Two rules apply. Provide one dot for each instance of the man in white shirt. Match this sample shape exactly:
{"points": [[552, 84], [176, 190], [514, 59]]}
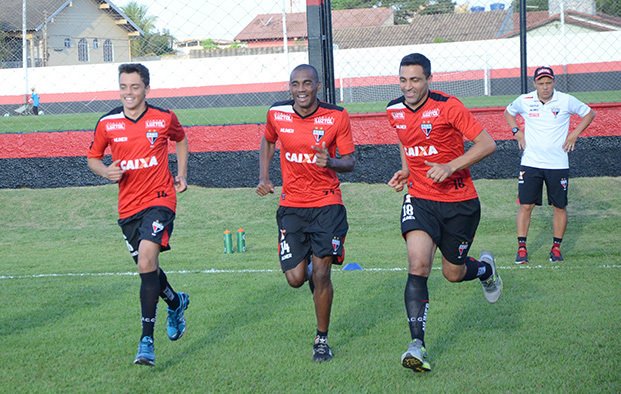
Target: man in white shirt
{"points": [[545, 140]]}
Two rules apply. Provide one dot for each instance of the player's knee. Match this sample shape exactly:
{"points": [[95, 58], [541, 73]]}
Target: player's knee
{"points": [[294, 280], [452, 275]]}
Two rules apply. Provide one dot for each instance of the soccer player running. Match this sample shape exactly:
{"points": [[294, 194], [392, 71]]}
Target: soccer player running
{"points": [[545, 141], [138, 134], [311, 217], [441, 208]]}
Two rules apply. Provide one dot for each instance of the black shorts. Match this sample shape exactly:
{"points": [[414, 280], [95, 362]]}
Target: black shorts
{"points": [[154, 224], [305, 231], [451, 225], [530, 186]]}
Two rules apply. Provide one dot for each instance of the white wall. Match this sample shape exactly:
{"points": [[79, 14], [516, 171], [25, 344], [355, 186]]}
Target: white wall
{"points": [[241, 70]]}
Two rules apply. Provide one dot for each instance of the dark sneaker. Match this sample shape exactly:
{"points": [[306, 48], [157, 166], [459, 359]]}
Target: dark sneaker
{"points": [[522, 256], [415, 358], [146, 352], [321, 350], [175, 324], [492, 286], [555, 255]]}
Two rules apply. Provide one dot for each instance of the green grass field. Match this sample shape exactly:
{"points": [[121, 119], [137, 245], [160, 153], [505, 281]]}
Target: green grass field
{"points": [[70, 314], [242, 115]]}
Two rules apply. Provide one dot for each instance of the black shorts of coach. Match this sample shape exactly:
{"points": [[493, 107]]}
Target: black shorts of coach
{"points": [[154, 224], [305, 231], [530, 186], [451, 225]]}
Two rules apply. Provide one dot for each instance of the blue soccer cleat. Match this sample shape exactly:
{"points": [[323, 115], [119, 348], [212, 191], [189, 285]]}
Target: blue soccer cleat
{"points": [[175, 324], [146, 352]]}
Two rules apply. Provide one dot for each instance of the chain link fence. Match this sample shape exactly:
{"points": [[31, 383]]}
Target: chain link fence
{"points": [[224, 63]]}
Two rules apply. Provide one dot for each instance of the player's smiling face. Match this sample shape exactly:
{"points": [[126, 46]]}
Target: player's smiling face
{"points": [[303, 87], [133, 93], [414, 85]]}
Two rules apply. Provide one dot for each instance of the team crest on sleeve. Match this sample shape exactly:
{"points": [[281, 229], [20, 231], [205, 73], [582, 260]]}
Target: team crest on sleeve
{"points": [[152, 136], [426, 128], [318, 134]]}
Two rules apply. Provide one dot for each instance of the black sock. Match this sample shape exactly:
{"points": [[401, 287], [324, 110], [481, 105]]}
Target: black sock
{"points": [[149, 292], [416, 297], [168, 294], [476, 269], [521, 242], [556, 242]]}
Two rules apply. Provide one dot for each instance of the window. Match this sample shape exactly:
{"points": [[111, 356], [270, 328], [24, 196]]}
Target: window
{"points": [[83, 50], [95, 43], [67, 42], [108, 54]]}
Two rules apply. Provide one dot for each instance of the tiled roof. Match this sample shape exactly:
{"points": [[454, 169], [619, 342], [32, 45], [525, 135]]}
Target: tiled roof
{"points": [[269, 26]]}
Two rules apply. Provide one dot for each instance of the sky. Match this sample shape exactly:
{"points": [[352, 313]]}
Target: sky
{"points": [[200, 19]]}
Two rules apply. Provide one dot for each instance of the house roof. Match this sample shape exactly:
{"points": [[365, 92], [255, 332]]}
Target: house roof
{"points": [[269, 26], [38, 12], [456, 27], [425, 29], [597, 22]]}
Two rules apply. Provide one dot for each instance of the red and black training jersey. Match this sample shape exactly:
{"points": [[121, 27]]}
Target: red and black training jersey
{"points": [[142, 147], [305, 184], [435, 132]]}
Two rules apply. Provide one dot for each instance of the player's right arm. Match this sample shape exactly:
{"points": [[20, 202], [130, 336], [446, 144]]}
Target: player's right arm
{"points": [[266, 154], [112, 172], [512, 122], [400, 178]]}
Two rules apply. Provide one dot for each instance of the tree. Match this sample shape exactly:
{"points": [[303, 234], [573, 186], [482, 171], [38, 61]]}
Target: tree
{"points": [[609, 7], [404, 9], [152, 42]]}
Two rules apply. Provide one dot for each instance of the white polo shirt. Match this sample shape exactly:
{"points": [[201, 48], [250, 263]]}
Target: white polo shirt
{"points": [[546, 127]]}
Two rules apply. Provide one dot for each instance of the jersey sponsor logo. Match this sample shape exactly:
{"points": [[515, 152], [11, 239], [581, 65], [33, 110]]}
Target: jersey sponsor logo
{"points": [[398, 115], [432, 113], [119, 139], [155, 123], [286, 130], [426, 128], [336, 244], [137, 164], [533, 114], [152, 136], [156, 226], [110, 126], [415, 151], [329, 120], [401, 127], [280, 116], [308, 158], [318, 134]]}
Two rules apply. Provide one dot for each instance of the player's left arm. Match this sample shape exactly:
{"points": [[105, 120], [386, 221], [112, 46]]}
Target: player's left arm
{"points": [[181, 183], [483, 146], [570, 141]]}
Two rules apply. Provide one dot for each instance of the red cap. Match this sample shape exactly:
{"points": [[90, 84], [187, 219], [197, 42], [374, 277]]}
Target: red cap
{"points": [[541, 72]]}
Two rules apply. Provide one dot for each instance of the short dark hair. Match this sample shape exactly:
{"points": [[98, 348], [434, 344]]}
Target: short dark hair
{"points": [[417, 59], [306, 67], [129, 68]]}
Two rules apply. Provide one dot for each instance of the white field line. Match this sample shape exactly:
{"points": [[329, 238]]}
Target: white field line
{"points": [[259, 271]]}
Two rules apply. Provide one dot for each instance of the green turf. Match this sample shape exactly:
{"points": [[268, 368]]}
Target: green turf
{"points": [[243, 115], [70, 314]]}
